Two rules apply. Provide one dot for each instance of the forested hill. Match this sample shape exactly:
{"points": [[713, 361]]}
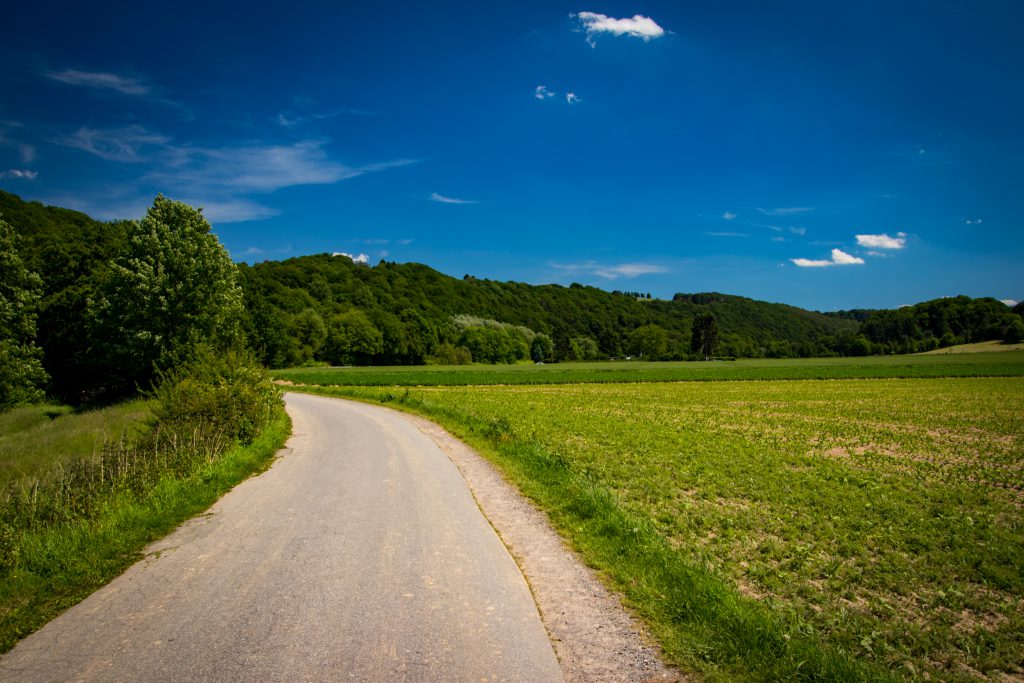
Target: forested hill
{"points": [[305, 293], [328, 308]]}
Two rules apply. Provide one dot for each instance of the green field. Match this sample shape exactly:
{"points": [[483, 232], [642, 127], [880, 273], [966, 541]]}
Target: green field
{"points": [[838, 529], [1006, 364]]}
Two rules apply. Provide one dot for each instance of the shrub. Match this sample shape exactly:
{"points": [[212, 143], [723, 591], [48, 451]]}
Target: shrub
{"points": [[225, 396]]}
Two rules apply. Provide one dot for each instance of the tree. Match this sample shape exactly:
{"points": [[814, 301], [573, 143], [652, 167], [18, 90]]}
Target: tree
{"points": [[541, 348], [172, 287], [648, 341], [21, 369], [704, 339], [352, 339]]}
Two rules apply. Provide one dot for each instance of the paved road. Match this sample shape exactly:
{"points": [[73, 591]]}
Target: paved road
{"points": [[360, 555]]}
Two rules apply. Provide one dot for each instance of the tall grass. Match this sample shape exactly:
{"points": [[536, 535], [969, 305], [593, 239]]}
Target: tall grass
{"points": [[33, 439]]}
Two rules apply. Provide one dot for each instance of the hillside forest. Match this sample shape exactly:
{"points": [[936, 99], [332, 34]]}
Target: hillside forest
{"points": [[67, 281]]}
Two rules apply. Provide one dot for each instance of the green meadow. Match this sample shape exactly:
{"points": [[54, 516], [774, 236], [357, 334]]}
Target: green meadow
{"points": [[837, 529], [1004, 364]]}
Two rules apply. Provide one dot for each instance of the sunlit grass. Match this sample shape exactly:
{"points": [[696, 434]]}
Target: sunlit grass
{"points": [[35, 438]]}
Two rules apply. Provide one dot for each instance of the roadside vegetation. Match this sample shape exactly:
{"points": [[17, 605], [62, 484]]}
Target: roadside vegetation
{"points": [[815, 530], [189, 410], [35, 439]]}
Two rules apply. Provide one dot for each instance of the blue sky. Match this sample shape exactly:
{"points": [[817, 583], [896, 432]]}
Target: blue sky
{"points": [[823, 154]]}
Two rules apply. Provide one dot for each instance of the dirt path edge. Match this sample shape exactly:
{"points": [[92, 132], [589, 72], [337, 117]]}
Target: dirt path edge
{"points": [[595, 638]]}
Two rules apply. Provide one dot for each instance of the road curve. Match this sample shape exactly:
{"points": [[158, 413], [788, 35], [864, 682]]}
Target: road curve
{"points": [[360, 555]]}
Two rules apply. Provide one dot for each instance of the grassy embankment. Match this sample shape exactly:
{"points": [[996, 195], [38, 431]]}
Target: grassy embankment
{"points": [[818, 530], [34, 439], [1008, 364], [86, 493]]}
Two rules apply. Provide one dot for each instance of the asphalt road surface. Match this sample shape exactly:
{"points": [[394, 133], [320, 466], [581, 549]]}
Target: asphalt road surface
{"points": [[360, 555]]}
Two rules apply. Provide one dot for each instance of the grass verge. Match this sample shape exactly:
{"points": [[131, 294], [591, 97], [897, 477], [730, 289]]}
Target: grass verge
{"points": [[58, 567], [702, 622]]}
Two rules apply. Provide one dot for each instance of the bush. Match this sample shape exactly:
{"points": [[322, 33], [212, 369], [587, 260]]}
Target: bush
{"points": [[226, 396]]}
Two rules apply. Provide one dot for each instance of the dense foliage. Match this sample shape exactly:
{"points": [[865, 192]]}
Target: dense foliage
{"points": [[21, 371], [934, 324]]}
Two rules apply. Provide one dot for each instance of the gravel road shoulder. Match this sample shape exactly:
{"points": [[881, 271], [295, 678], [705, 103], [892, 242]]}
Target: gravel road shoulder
{"points": [[594, 636]]}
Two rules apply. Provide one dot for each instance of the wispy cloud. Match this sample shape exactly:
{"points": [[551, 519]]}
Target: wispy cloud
{"points": [[571, 98], [541, 92], [292, 120], [785, 210], [27, 153], [435, 197], [883, 241], [839, 258], [115, 144], [727, 234], [233, 210], [20, 174], [729, 216], [611, 272], [638, 26], [258, 168], [797, 231], [104, 81], [973, 221]]}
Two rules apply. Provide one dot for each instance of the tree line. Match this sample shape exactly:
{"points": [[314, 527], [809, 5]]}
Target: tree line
{"points": [[90, 308]]}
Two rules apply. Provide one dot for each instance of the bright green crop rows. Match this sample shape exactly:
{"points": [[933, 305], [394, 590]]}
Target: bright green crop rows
{"points": [[1003, 364], [884, 516]]}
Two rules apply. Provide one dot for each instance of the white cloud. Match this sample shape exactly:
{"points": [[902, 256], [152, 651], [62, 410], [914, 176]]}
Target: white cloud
{"points": [[435, 197], [973, 221], [637, 27], [883, 241], [1009, 302], [839, 258], [542, 93], [729, 216], [359, 258], [797, 231], [106, 81], [115, 144], [20, 174], [727, 234], [786, 210], [611, 272], [571, 98], [404, 242], [28, 153]]}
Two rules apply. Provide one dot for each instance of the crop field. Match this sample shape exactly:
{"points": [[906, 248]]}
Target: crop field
{"points": [[1005, 364], [879, 519]]}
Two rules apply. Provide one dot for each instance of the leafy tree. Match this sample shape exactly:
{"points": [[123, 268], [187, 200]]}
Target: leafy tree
{"points": [[1014, 332], [704, 338], [648, 341], [541, 348], [353, 339], [21, 370], [172, 287]]}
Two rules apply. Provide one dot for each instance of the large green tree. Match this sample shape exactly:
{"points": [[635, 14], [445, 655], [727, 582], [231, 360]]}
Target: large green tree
{"points": [[21, 369], [173, 286], [704, 338]]}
